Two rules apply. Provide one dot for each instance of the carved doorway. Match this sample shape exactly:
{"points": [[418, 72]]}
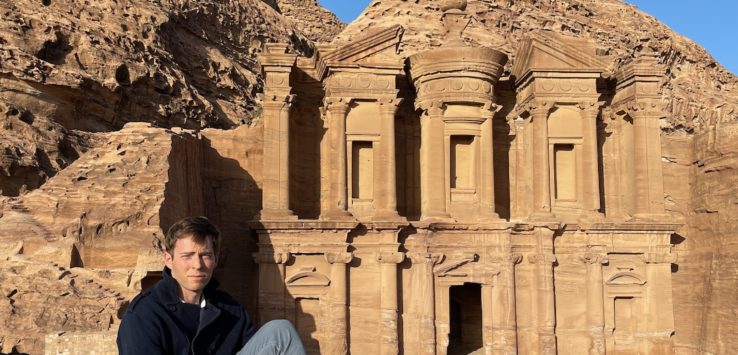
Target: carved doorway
{"points": [[465, 319]]}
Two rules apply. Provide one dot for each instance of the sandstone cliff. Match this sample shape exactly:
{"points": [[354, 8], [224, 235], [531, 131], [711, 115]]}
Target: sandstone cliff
{"points": [[69, 67]]}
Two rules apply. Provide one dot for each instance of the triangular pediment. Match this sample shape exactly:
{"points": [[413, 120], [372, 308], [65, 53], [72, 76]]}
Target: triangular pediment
{"points": [[376, 48], [549, 52]]}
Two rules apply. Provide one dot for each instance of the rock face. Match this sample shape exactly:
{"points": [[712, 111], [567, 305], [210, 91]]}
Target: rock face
{"points": [[86, 197], [317, 23], [68, 67]]}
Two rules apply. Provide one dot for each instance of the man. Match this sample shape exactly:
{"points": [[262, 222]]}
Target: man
{"points": [[185, 313]]}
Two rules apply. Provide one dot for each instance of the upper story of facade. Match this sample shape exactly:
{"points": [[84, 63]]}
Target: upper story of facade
{"points": [[359, 133]]}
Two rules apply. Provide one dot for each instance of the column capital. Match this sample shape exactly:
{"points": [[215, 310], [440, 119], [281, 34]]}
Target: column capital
{"points": [[659, 258], [509, 258], [277, 100], [541, 258], [271, 257], [640, 107], [433, 108], [390, 102], [390, 257], [539, 107], [594, 258], [425, 258], [339, 258], [590, 106], [337, 103]]}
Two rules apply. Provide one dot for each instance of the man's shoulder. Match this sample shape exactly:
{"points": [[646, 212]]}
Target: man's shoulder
{"points": [[145, 301]]}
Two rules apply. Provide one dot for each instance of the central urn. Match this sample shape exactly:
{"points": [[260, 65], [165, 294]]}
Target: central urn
{"points": [[456, 74]]}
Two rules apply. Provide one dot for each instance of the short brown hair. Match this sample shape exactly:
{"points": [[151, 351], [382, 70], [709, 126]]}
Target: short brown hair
{"points": [[199, 228]]}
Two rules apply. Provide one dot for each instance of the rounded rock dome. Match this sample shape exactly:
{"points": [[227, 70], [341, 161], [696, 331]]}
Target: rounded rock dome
{"points": [[446, 5]]}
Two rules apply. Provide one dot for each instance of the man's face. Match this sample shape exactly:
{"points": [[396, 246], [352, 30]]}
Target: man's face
{"points": [[192, 265]]}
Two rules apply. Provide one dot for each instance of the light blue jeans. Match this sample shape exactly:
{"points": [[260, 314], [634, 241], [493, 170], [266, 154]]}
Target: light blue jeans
{"points": [[278, 337]]}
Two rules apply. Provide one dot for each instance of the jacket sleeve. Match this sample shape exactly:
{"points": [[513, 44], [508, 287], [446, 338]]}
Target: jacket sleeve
{"points": [[138, 336]]}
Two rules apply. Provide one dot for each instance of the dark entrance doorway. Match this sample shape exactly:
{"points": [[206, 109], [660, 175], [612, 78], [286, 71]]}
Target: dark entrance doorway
{"points": [[465, 316]]}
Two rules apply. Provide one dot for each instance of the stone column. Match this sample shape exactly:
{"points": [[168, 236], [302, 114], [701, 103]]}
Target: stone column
{"points": [[386, 191], [591, 178], [276, 187], [272, 291], [545, 292], [338, 328], [425, 291], [388, 301], [503, 316], [541, 163], [658, 300], [433, 164], [338, 109], [614, 208], [487, 184], [649, 189], [595, 301]]}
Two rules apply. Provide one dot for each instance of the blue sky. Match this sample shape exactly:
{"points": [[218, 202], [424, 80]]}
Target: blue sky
{"points": [[713, 24]]}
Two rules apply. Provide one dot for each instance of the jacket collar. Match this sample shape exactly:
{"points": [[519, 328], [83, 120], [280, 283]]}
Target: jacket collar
{"points": [[169, 290]]}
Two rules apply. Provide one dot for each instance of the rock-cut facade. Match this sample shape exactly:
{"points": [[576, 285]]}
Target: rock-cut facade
{"points": [[431, 205]]}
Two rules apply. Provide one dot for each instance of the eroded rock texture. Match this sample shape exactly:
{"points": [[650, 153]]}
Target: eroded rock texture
{"points": [[317, 23], [68, 67]]}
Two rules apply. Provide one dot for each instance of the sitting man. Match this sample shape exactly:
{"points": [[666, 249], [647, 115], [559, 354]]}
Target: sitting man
{"points": [[185, 313]]}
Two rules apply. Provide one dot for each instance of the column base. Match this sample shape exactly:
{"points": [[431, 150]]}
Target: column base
{"points": [[591, 217], [338, 215], [542, 217], [490, 217], [436, 217], [276, 215], [652, 217], [388, 216]]}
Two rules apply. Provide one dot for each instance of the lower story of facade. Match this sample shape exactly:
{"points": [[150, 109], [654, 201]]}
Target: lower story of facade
{"points": [[488, 288]]}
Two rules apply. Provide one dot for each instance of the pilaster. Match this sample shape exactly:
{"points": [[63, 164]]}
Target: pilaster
{"points": [[337, 109], [541, 162], [388, 301], [272, 291], [433, 163], [386, 190], [595, 301], [338, 328]]}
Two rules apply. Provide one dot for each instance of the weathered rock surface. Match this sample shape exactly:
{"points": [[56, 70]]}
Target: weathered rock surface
{"points": [[87, 234], [317, 23], [38, 298], [68, 67]]}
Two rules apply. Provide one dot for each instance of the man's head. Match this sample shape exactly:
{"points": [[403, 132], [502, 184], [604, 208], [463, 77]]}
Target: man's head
{"points": [[192, 251]]}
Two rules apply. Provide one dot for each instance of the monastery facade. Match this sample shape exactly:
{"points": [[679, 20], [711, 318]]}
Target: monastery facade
{"points": [[427, 205]]}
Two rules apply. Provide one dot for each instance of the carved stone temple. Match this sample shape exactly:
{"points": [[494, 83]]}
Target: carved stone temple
{"points": [[431, 205]]}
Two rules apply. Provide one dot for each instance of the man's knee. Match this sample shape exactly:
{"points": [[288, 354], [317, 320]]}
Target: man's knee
{"points": [[280, 326]]}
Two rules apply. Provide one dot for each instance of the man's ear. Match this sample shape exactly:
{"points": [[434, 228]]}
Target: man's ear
{"points": [[168, 260]]}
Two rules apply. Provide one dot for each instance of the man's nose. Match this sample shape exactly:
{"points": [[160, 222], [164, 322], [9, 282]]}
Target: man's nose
{"points": [[197, 262]]}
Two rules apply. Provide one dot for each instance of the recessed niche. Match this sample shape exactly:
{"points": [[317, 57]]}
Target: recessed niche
{"points": [[362, 170], [462, 162]]}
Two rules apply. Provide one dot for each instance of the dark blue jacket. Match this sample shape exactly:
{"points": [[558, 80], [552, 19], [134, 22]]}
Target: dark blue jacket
{"points": [[152, 323]]}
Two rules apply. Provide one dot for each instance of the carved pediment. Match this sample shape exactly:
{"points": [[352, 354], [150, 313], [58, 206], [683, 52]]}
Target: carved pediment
{"points": [[549, 52], [307, 276], [625, 278], [378, 48], [451, 268]]}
